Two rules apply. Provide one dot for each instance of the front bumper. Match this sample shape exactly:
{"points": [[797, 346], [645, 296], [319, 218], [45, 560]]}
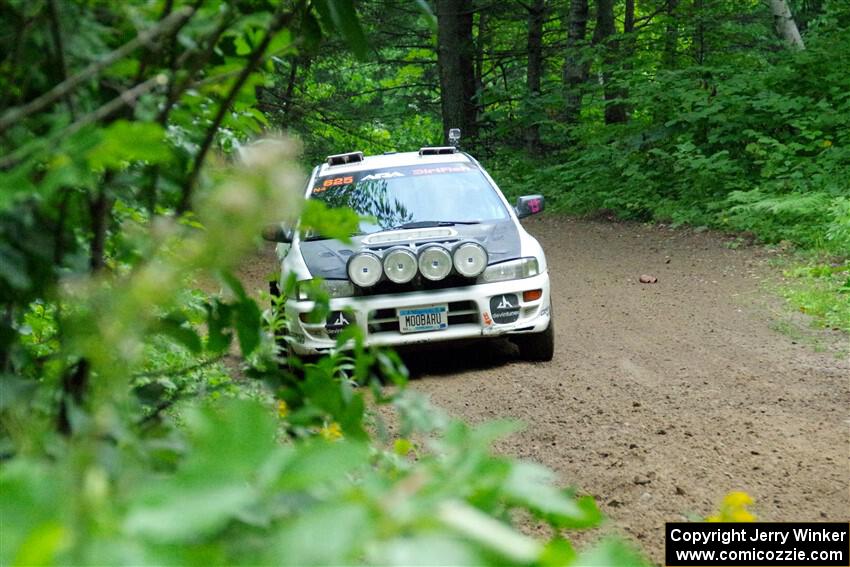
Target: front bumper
{"points": [[469, 315]]}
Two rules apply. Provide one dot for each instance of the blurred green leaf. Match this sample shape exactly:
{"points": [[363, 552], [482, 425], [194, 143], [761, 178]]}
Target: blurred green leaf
{"points": [[341, 16], [338, 223], [123, 142], [162, 515], [219, 317], [489, 532], [428, 550], [29, 493], [531, 485], [611, 552], [248, 328], [319, 461], [558, 552], [178, 329], [344, 529]]}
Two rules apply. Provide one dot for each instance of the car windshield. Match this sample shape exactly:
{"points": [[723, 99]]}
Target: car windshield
{"points": [[413, 196]]}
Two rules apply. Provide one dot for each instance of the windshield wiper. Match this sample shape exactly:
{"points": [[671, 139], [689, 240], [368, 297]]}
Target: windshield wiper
{"points": [[314, 237], [430, 224]]}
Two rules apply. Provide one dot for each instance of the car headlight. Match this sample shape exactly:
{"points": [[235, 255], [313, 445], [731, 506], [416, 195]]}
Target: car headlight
{"points": [[400, 265], [306, 289], [435, 262], [510, 270], [470, 259], [364, 269]]}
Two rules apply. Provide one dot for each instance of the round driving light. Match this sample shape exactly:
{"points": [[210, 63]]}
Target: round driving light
{"points": [[400, 265], [435, 262], [470, 259], [364, 269]]}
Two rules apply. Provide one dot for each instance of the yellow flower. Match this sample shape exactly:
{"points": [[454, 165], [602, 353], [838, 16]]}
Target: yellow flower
{"points": [[741, 515], [282, 409], [737, 499], [826, 143], [331, 432], [734, 509]]}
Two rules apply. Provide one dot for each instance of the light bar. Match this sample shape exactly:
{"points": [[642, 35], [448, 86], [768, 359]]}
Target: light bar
{"points": [[435, 262], [400, 265], [470, 259], [364, 269]]}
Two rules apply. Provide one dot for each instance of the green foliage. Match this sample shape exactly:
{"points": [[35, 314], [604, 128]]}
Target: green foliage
{"points": [[147, 422], [821, 289], [338, 223], [747, 141]]}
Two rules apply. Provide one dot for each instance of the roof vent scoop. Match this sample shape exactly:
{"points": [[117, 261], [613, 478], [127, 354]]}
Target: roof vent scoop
{"points": [[442, 150], [342, 159]]}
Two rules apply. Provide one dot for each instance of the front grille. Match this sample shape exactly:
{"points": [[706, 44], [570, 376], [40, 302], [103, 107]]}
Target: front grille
{"points": [[386, 320]]}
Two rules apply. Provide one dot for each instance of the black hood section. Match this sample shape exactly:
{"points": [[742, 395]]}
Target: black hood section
{"points": [[328, 258]]}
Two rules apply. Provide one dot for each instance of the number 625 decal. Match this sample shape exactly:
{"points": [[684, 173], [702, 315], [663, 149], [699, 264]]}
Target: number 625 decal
{"points": [[335, 182]]}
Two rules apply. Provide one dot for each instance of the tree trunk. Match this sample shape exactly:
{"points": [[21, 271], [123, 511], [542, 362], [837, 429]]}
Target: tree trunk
{"points": [[534, 71], [615, 112], [59, 46], [575, 67], [99, 207], [698, 41], [671, 36], [482, 41], [455, 54], [629, 19], [786, 27], [74, 386]]}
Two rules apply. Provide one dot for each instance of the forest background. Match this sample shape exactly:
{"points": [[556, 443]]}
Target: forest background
{"points": [[148, 420]]}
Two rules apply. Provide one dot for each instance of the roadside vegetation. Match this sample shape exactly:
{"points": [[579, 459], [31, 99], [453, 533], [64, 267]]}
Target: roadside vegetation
{"points": [[147, 420]]}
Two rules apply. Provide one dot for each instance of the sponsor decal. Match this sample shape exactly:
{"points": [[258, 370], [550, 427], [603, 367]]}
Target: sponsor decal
{"points": [[544, 311], [337, 321], [444, 169], [333, 182], [534, 205], [382, 175], [505, 308], [487, 320]]}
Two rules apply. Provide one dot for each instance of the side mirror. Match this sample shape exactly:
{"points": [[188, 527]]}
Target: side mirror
{"points": [[277, 233], [529, 205]]}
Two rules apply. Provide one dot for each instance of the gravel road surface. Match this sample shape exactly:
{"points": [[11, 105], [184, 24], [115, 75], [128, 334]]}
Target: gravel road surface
{"points": [[663, 397]]}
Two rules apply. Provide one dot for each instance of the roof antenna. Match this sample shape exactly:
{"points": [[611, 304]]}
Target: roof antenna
{"points": [[454, 137]]}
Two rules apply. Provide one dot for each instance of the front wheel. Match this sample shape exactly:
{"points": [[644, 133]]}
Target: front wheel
{"points": [[537, 347]]}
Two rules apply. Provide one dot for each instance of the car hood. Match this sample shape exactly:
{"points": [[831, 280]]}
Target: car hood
{"points": [[328, 258]]}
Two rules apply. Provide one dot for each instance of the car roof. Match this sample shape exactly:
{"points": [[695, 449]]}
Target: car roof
{"points": [[393, 160]]}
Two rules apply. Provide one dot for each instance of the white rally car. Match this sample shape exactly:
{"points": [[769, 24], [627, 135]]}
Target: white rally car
{"points": [[442, 257]]}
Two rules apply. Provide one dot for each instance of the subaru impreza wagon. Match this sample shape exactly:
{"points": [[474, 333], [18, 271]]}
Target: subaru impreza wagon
{"points": [[442, 257]]}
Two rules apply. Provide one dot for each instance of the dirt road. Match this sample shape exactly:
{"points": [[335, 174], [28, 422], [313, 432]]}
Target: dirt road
{"points": [[663, 397]]}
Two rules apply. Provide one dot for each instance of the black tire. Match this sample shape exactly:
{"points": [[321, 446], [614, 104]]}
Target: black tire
{"points": [[537, 347]]}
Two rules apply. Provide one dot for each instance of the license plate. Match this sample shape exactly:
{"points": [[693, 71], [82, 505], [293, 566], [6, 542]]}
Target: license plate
{"points": [[428, 318]]}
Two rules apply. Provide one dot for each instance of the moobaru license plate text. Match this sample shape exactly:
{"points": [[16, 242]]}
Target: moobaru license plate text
{"points": [[429, 318]]}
